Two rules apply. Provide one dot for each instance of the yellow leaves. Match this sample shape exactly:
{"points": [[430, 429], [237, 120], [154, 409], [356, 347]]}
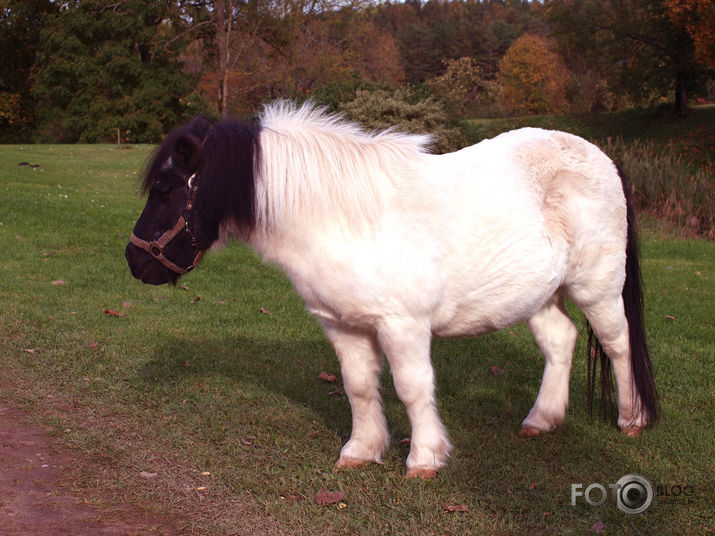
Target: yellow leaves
{"points": [[533, 78], [10, 107]]}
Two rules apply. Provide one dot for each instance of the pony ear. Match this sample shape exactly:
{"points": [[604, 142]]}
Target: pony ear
{"points": [[186, 153]]}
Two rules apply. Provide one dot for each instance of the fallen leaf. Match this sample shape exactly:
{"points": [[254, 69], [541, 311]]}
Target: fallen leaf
{"points": [[324, 497], [146, 474], [532, 485], [670, 317], [336, 392], [29, 350], [597, 527], [184, 287], [112, 312], [405, 441], [58, 282], [126, 304], [93, 344], [265, 311], [497, 370], [197, 298], [455, 508], [201, 488], [327, 377], [248, 440], [206, 473]]}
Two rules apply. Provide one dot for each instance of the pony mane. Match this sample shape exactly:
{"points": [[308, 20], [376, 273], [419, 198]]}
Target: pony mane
{"points": [[315, 163]]}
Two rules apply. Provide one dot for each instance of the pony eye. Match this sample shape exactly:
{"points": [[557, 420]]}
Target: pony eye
{"points": [[160, 192]]}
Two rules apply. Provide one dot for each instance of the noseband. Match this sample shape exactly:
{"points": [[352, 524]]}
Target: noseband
{"points": [[156, 247]]}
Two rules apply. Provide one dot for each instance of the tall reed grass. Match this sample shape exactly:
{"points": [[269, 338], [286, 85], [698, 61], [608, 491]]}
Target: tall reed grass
{"points": [[666, 184]]}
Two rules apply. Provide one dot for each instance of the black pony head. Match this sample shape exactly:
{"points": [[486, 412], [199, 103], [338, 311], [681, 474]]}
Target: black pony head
{"points": [[199, 178]]}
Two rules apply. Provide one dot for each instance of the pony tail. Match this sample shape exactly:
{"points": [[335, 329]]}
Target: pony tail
{"points": [[596, 356], [633, 303]]}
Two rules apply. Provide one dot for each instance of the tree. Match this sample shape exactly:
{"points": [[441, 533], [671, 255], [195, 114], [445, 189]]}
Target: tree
{"points": [[634, 44], [103, 67], [432, 32], [533, 79], [697, 18], [20, 25]]}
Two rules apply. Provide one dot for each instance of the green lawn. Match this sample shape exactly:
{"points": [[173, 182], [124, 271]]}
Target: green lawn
{"points": [[181, 387]]}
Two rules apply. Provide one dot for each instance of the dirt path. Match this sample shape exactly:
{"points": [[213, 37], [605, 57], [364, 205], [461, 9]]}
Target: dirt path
{"points": [[36, 496]]}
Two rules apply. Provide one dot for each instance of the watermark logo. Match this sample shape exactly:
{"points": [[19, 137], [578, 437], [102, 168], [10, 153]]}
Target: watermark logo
{"points": [[632, 493]]}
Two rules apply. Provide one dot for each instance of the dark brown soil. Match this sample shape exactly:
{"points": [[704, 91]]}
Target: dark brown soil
{"points": [[36, 494]]}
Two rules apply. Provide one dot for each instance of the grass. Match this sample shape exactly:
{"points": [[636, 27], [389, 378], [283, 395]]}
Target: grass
{"points": [[216, 386]]}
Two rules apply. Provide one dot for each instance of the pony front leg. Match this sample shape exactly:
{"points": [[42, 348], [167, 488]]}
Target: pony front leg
{"points": [[360, 363], [406, 343]]}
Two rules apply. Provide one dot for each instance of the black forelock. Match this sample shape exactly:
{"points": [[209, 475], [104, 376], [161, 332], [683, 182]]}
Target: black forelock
{"points": [[198, 127]]}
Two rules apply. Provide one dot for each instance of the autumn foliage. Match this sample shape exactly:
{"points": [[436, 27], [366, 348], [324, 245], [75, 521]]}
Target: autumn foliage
{"points": [[98, 71], [697, 18], [533, 78]]}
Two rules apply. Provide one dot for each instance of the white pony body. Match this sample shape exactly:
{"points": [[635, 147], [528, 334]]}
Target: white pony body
{"points": [[389, 245]]}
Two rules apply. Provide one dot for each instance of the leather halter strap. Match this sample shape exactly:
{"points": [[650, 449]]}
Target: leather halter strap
{"points": [[156, 247]]}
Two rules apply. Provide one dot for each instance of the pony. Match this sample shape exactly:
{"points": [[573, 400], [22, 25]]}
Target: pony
{"points": [[390, 245]]}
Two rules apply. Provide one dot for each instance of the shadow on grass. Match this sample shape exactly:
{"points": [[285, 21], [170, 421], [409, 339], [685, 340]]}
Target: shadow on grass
{"points": [[519, 482]]}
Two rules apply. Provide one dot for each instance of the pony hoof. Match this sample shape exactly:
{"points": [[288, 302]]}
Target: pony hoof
{"points": [[633, 431], [529, 431], [348, 463], [421, 473]]}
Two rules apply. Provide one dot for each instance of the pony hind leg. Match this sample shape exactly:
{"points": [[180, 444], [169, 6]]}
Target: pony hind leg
{"points": [[556, 336], [609, 323], [361, 364]]}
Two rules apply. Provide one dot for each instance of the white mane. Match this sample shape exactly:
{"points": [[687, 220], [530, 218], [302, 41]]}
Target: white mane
{"points": [[314, 163]]}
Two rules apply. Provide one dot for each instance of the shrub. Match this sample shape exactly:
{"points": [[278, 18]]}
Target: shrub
{"points": [[666, 186], [465, 87], [382, 109]]}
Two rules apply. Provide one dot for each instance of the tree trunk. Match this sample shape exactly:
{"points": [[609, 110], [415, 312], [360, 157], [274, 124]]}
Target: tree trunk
{"points": [[681, 94], [222, 23]]}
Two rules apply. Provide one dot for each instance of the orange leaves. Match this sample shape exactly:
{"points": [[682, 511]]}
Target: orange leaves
{"points": [[497, 370], [324, 497], [327, 377]]}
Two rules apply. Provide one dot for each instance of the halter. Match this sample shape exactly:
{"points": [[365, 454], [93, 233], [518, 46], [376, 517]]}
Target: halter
{"points": [[156, 247]]}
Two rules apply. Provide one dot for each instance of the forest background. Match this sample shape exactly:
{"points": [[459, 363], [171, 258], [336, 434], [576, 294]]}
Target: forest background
{"points": [[130, 70]]}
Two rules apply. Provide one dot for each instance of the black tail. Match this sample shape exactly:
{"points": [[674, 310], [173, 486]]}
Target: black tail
{"points": [[640, 358]]}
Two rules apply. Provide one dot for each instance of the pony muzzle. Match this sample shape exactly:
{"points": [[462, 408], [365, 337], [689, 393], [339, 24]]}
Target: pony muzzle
{"points": [[155, 248]]}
